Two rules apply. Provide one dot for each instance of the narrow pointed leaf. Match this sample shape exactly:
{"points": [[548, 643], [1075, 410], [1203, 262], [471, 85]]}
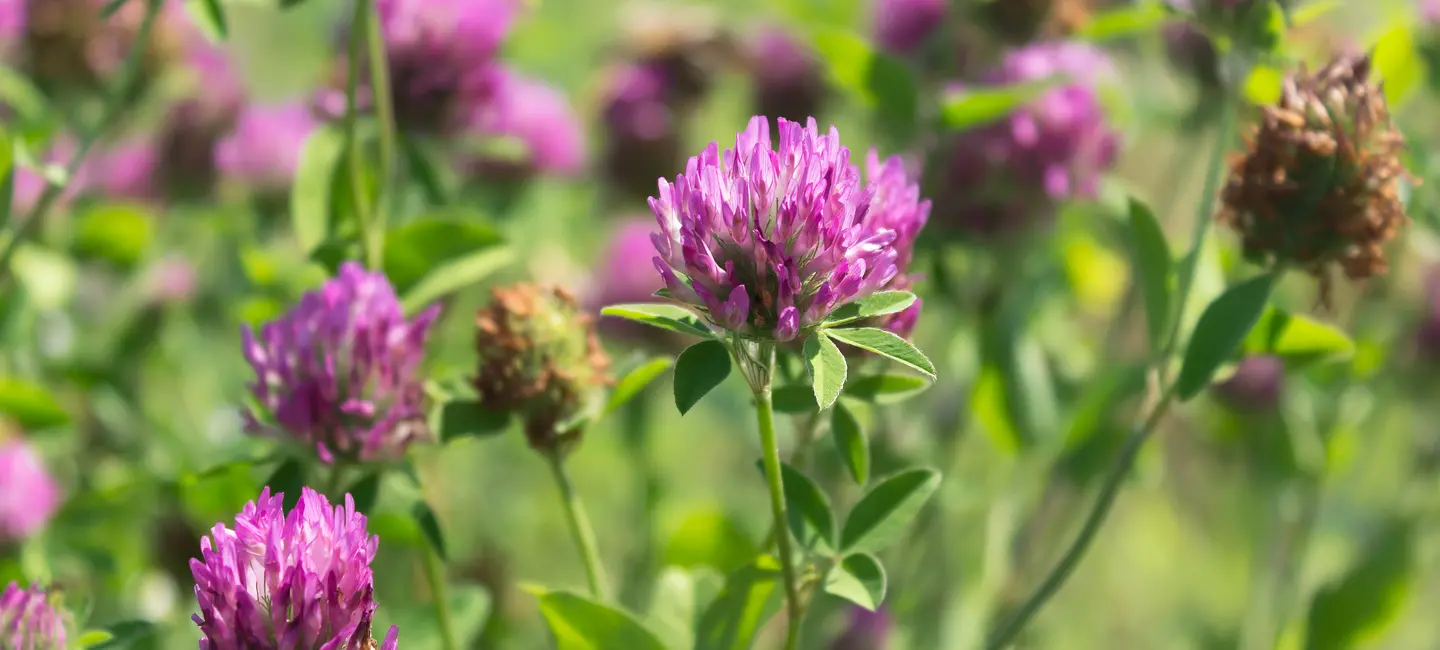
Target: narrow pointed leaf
{"points": [[885, 344], [881, 516], [851, 443], [750, 597], [808, 510], [1154, 270], [886, 388], [826, 366], [1221, 330], [860, 579], [636, 381], [310, 194], [579, 623], [670, 317], [882, 303]]}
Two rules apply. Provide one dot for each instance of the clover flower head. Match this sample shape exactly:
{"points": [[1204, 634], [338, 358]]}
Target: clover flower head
{"points": [[29, 621], [29, 496], [767, 242], [297, 580], [340, 371]]}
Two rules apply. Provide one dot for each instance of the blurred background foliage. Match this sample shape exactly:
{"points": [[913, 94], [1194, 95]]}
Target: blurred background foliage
{"points": [[131, 390]]}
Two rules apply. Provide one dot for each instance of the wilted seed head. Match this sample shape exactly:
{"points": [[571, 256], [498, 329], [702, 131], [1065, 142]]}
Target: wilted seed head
{"points": [[1319, 184], [539, 359], [68, 43], [28, 620]]}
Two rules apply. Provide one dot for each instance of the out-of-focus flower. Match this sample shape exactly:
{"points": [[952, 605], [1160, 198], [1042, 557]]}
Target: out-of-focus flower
{"points": [[626, 272], [1256, 385], [1427, 336], [643, 130], [541, 119], [901, 26], [340, 371], [172, 279], [766, 243], [263, 150], [28, 494], [867, 631], [28, 621], [787, 78], [441, 59], [539, 359], [687, 46], [1318, 186], [126, 170], [70, 45], [1007, 176], [294, 581]]}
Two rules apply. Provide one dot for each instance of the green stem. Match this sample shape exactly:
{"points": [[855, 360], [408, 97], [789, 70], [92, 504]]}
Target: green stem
{"points": [[385, 113], [114, 107], [435, 573], [1093, 522], [765, 416], [580, 529], [1191, 262], [359, 28]]}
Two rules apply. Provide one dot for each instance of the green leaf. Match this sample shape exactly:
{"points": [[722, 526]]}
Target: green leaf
{"points": [[793, 399], [826, 367], [679, 598], [880, 518], [92, 638], [1221, 330], [1122, 22], [365, 492], [975, 107], [578, 623], [310, 194], [636, 381], [124, 635], [670, 317], [290, 4], [7, 176], [119, 233], [288, 479], [20, 94], [709, 537], [429, 524], [335, 251], [750, 597], [877, 304], [860, 579], [423, 247], [1397, 63], [31, 406], [851, 442], [1362, 603], [806, 509], [886, 388], [455, 275], [885, 344], [700, 368], [210, 16], [1298, 339], [881, 82], [1154, 270], [461, 418], [421, 162]]}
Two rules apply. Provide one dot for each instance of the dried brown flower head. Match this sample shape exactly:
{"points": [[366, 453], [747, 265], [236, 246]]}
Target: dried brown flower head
{"points": [[1318, 186], [69, 44], [539, 359]]}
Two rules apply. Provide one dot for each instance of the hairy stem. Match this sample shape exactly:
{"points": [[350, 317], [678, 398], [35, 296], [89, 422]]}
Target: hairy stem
{"points": [[765, 416]]}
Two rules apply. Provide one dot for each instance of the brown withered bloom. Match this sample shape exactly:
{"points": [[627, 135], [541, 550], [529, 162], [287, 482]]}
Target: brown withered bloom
{"points": [[1318, 186], [69, 44], [540, 360]]}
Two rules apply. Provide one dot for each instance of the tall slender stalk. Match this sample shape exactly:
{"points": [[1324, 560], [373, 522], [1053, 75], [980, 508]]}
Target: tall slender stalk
{"points": [[765, 417], [1137, 439], [435, 574], [115, 104], [362, 16], [385, 115], [579, 528]]}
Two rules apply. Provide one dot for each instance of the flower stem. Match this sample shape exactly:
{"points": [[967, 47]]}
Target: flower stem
{"points": [[115, 103], [364, 14], [765, 415], [580, 529], [1093, 522], [385, 114], [435, 573]]}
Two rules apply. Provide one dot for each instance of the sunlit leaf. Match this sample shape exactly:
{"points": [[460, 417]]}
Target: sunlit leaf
{"points": [[858, 578], [579, 623], [751, 596], [670, 317], [826, 367], [882, 515]]}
